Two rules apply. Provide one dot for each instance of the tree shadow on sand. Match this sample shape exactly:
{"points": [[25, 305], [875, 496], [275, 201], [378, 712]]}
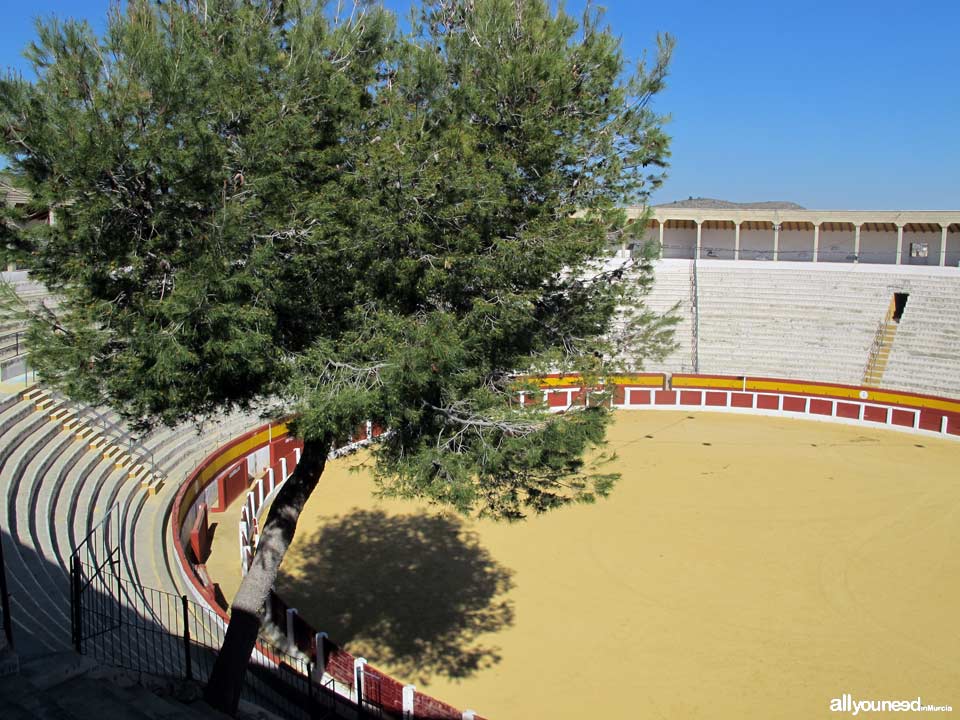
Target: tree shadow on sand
{"points": [[412, 593]]}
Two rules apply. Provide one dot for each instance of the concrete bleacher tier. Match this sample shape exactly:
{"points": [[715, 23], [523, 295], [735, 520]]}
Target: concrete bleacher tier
{"points": [[54, 488], [812, 321], [925, 356]]}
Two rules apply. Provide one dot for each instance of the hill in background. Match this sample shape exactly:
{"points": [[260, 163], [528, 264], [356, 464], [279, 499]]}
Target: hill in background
{"points": [[712, 204]]}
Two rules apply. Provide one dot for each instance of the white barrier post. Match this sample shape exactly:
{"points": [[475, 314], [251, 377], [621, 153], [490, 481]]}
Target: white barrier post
{"points": [[283, 469], [863, 409], [806, 406], [296, 453], [243, 549], [358, 666], [291, 614], [408, 694], [260, 490], [916, 419], [320, 668], [369, 430], [889, 415], [272, 481], [943, 424]]}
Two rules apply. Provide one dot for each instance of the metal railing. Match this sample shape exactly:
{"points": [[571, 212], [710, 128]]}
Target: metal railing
{"points": [[123, 624], [114, 431], [11, 345], [874, 353]]}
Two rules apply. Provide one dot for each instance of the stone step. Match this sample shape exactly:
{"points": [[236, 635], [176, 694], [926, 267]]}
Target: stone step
{"points": [[39, 485], [66, 686]]}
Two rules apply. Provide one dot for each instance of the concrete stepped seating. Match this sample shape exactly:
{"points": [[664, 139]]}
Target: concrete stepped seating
{"points": [[35, 602], [738, 332], [25, 499], [36, 393], [93, 429], [54, 488], [925, 354], [811, 322]]}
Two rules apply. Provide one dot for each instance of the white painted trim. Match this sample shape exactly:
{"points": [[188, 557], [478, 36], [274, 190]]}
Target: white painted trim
{"points": [[407, 699], [291, 614], [815, 417]]}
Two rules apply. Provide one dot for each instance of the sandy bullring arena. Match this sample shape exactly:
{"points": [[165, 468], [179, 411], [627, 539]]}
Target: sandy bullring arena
{"points": [[743, 567]]}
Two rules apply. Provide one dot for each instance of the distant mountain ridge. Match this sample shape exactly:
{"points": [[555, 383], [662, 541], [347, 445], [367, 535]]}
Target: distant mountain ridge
{"points": [[713, 204]]}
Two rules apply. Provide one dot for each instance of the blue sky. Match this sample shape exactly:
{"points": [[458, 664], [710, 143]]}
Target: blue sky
{"points": [[845, 104]]}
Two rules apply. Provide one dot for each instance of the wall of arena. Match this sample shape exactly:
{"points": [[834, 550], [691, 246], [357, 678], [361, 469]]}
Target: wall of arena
{"points": [[258, 462]]}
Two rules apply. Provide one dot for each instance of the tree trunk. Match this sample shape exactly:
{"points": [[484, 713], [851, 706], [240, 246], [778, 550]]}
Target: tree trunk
{"points": [[226, 679]]}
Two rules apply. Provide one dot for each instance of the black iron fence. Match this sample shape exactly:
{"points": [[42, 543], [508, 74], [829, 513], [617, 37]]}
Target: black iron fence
{"points": [[123, 624], [11, 344]]}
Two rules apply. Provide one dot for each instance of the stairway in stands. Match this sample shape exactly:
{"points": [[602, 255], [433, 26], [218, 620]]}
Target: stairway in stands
{"points": [[879, 356], [55, 488]]}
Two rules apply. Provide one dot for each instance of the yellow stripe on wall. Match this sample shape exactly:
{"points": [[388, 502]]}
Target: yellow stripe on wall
{"points": [[708, 382], [889, 397], [577, 381], [230, 455]]}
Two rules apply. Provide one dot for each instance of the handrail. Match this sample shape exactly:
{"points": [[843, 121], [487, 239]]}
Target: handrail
{"points": [[696, 315], [874, 353]]}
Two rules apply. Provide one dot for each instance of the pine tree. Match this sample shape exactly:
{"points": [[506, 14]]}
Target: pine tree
{"points": [[258, 201]]}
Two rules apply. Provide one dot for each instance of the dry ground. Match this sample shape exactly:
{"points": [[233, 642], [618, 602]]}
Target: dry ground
{"points": [[744, 567]]}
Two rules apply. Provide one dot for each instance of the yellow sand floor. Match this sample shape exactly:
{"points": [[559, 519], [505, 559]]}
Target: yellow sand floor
{"points": [[744, 567]]}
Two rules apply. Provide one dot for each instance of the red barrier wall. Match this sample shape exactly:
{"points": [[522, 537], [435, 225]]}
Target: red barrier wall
{"points": [[815, 398], [200, 536], [283, 446], [425, 706], [232, 484]]}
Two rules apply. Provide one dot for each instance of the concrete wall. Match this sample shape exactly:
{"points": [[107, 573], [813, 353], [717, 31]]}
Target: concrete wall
{"points": [[679, 242], [756, 244], [878, 247], [836, 246], [953, 249], [796, 245], [717, 243]]}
